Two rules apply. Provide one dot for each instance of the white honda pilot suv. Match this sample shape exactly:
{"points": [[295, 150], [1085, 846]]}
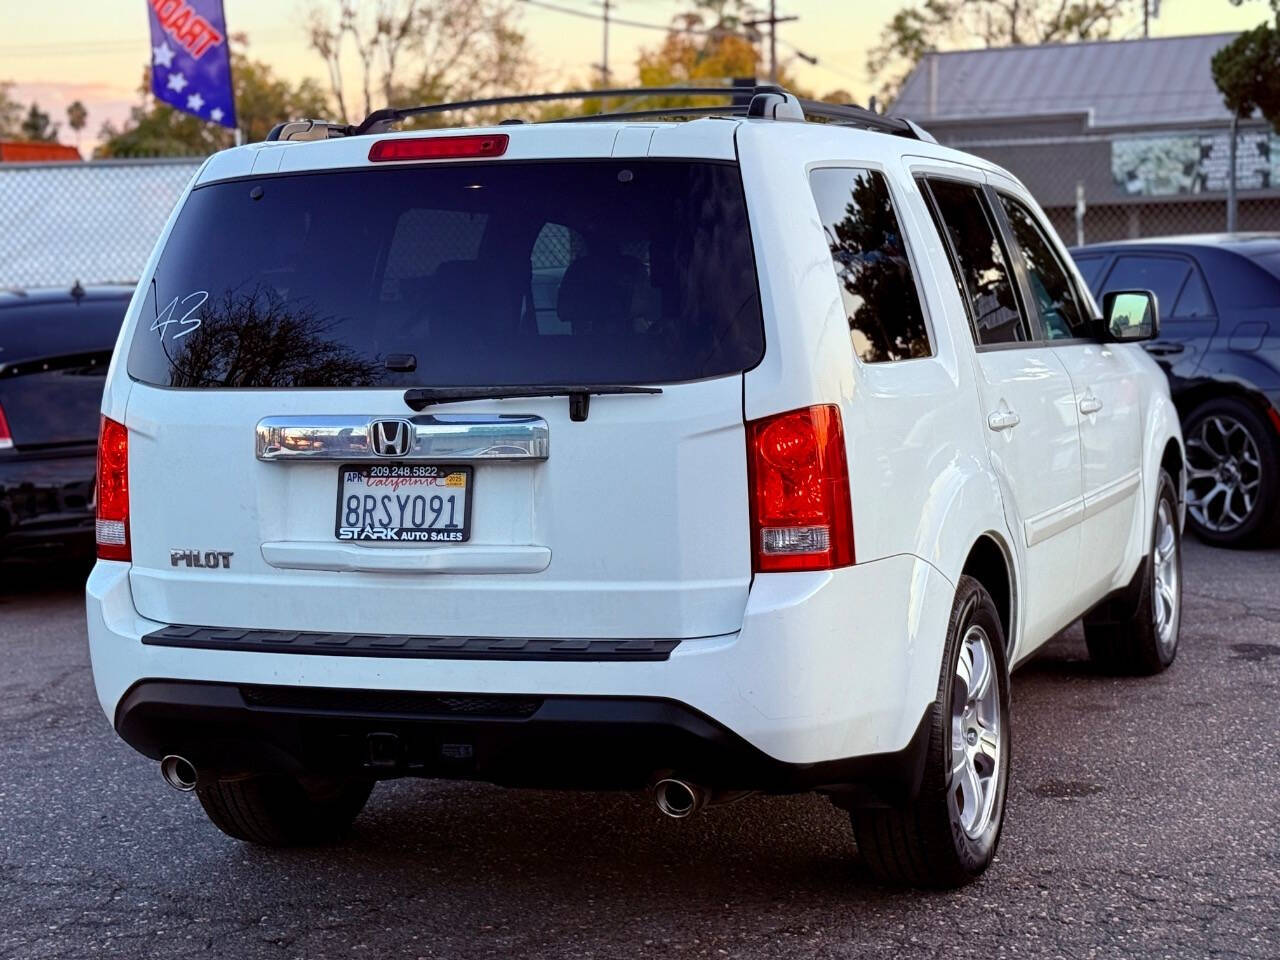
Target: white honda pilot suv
{"points": [[703, 456]]}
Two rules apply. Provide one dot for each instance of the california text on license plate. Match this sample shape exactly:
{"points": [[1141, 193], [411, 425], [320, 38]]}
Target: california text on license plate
{"points": [[404, 502]]}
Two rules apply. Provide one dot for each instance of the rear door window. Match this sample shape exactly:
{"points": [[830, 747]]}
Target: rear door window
{"points": [[1194, 300], [978, 258], [869, 254], [1053, 294], [493, 274]]}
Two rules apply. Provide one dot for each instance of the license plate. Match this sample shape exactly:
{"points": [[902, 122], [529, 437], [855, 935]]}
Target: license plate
{"points": [[404, 503]]}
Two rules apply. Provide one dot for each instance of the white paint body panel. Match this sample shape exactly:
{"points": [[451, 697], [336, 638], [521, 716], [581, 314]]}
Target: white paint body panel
{"points": [[647, 549], [805, 666]]}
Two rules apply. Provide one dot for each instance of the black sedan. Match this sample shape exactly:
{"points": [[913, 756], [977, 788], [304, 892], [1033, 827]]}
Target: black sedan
{"points": [[54, 349], [1219, 303]]}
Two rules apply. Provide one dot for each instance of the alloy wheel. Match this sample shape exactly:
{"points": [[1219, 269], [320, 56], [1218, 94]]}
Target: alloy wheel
{"points": [[976, 729], [1165, 597], [1224, 473]]}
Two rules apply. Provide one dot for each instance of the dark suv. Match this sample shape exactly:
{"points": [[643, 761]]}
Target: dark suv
{"points": [[1219, 300], [55, 346]]}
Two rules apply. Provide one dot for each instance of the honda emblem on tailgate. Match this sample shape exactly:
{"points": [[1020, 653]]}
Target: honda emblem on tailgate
{"points": [[391, 438]]}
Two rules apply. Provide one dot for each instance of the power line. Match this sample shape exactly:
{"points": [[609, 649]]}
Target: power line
{"points": [[772, 20], [640, 25]]}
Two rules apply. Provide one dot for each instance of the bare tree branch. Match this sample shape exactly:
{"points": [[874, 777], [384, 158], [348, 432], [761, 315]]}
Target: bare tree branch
{"points": [[411, 51]]}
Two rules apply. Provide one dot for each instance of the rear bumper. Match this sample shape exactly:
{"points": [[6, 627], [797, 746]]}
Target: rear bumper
{"points": [[827, 666], [555, 742], [45, 505]]}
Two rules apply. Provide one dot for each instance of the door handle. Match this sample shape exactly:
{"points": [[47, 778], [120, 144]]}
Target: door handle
{"points": [[1090, 404], [1003, 420], [1164, 348]]}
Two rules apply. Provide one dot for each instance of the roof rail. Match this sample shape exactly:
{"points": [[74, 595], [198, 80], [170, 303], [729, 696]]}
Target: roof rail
{"points": [[381, 120], [764, 101]]}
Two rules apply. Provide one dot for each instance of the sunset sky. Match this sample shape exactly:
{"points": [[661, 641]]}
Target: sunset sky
{"points": [[56, 51]]}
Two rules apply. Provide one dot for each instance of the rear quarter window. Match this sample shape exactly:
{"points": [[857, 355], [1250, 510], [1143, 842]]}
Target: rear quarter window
{"points": [[869, 254], [492, 274]]}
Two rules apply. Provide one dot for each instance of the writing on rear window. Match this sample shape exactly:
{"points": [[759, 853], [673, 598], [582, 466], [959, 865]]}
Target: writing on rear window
{"points": [[187, 322]]}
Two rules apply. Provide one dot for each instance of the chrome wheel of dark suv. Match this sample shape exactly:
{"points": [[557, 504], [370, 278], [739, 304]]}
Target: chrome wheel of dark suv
{"points": [[1224, 473], [1233, 462]]}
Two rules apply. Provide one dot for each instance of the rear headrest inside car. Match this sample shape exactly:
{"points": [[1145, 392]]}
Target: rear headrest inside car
{"points": [[598, 293]]}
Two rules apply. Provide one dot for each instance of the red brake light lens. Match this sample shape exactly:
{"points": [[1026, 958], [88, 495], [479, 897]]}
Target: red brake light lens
{"points": [[801, 517], [6, 438], [440, 148], [112, 526]]}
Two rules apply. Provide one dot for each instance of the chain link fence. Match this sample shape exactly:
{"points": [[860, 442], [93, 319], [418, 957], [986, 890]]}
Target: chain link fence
{"points": [[97, 222], [1096, 188], [92, 222]]}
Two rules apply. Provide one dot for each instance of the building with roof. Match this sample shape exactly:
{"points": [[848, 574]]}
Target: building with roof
{"points": [[33, 151], [1137, 129]]}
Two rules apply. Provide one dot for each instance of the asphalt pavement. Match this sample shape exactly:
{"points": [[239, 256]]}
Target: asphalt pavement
{"points": [[1144, 821]]}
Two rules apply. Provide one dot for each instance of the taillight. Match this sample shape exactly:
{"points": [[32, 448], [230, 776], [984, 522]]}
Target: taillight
{"points": [[801, 518], [6, 438], [112, 526], [440, 148]]}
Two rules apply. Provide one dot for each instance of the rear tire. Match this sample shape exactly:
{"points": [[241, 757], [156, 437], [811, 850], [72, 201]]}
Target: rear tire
{"points": [[1233, 474], [283, 811], [948, 834], [1147, 641]]}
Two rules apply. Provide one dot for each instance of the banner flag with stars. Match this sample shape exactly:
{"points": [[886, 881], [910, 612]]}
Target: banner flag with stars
{"points": [[190, 58]]}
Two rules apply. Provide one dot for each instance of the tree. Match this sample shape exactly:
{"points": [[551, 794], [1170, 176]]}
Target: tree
{"points": [[155, 129], [77, 117], [411, 51], [685, 59], [36, 125], [1247, 71], [10, 113], [932, 25], [710, 44], [263, 99]]}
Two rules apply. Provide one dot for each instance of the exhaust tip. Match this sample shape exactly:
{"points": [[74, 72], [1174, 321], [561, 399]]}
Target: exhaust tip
{"points": [[178, 772], [676, 798]]}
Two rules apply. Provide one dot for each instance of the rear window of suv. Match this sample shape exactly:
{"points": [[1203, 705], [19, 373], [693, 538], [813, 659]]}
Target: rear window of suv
{"points": [[499, 274]]}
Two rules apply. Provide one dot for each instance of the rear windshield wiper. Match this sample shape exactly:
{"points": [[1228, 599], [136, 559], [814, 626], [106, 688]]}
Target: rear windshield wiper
{"points": [[419, 398]]}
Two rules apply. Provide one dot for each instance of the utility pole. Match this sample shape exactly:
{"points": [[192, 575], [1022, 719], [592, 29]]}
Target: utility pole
{"points": [[772, 20], [1232, 199], [603, 65], [1150, 10], [773, 41]]}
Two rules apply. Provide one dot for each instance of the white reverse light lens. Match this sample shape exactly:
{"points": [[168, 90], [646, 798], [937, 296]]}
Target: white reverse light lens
{"points": [[775, 540]]}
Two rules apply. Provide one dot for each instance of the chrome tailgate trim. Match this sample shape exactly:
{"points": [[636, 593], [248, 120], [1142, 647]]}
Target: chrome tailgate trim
{"points": [[451, 437]]}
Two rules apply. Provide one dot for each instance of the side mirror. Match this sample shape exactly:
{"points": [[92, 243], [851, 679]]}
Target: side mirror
{"points": [[1130, 316]]}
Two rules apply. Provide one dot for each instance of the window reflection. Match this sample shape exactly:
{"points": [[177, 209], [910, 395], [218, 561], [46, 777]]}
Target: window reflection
{"points": [[870, 259], [260, 338], [981, 270], [1055, 298]]}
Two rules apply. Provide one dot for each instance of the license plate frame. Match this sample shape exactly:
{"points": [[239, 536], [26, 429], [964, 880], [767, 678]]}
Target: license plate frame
{"points": [[411, 473]]}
